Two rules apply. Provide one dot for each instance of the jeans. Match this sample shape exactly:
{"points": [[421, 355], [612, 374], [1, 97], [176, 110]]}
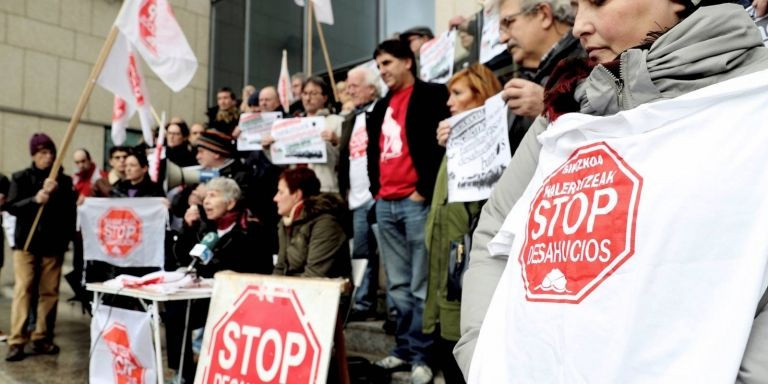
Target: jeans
{"points": [[364, 247], [404, 255]]}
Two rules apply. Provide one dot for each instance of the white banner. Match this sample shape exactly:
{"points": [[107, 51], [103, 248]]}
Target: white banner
{"points": [[638, 252], [264, 329], [151, 27], [125, 232], [436, 58], [252, 127], [121, 347], [298, 141], [490, 46], [477, 151]]}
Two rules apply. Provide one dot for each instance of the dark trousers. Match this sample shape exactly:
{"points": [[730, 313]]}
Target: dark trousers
{"points": [[174, 317]]}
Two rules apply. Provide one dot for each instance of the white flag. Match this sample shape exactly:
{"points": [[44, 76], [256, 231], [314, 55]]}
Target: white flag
{"points": [[121, 344], [122, 76], [152, 28], [284, 84], [323, 10], [125, 232]]}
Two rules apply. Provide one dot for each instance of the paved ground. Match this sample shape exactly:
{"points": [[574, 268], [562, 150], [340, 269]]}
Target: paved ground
{"points": [[70, 366]]}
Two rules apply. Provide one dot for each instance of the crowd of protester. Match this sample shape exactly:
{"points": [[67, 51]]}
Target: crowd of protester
{"points": [[384, 184]]}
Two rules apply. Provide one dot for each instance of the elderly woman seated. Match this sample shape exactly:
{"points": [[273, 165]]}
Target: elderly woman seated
{"points": [[312, 241], [237, 249]]}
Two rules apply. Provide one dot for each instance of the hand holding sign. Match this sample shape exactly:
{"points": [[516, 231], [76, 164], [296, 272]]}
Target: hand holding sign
{"points": [[523, 97]]}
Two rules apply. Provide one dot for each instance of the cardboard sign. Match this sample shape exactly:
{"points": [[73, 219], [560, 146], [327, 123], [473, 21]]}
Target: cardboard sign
{"points": [[265, 329], [436, 58], [252, 127], [477, 151], [298, 141]]}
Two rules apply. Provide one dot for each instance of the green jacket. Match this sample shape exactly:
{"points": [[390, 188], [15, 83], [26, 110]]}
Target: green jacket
{"points": [[445, 223], [315, 244]]}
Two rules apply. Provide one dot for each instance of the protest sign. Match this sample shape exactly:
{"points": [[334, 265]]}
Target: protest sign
{"points": [[436, 58], [126, 232], [477, 151], [298, 141], [121, 347], [265, 329], [490, 46], [252, 128], [638, 233]]}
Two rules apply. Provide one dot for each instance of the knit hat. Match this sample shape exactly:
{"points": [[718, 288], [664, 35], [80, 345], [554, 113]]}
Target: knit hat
{"points": [[217, 142], [41, 141], [253, 99]]}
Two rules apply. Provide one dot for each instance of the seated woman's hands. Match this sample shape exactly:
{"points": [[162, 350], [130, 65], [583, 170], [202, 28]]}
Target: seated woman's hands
{"points": [[192, 215]]}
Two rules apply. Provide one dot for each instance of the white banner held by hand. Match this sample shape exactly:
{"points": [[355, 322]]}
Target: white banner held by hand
{"points": [[436, 58], [253, 126], [125, 232]]}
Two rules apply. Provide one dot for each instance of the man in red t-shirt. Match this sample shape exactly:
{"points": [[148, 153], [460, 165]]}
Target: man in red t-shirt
{"points": [[403, 160]]}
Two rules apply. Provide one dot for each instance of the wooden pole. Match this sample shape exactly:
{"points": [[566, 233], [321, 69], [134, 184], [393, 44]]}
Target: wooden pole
{"points": [[75, 120], [309, 36], [325, 55]]}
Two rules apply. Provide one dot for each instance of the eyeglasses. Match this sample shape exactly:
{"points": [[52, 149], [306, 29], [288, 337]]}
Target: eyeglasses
{"points": [[507, 21]]}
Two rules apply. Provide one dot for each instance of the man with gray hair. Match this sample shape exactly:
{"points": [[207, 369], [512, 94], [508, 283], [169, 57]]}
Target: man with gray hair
{"points": [[538, 35], [363, 88]]}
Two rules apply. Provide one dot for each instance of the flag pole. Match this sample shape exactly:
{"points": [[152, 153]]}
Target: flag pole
{"points": [[309, 38], [325, 53], [75, 120]]}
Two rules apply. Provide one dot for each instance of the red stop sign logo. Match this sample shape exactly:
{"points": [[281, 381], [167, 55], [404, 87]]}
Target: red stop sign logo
{"points": [[148, 24], [581, 226], [119, 231], [126, 366], [264, 338]]}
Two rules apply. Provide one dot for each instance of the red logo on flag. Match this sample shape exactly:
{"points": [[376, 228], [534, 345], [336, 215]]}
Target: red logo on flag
{"points": [[135, 78], [264, 338], [118, 109], [128, 369], [119, 231], [148, 24], [581, 226]]}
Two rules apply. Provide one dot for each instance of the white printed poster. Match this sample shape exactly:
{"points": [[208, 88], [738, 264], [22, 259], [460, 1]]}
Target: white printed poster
{"points": [[490, 46], [298, 141], [252, 128], [436, 58], [477, 151], [121, 347], [125, 232], [268, 329]]}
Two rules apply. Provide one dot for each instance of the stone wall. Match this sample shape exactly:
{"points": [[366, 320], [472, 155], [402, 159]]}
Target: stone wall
{"points": [[47, 51]]}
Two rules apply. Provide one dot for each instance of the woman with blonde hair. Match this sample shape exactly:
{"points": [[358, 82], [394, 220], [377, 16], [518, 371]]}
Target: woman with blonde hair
{"points": [[448, 223]]}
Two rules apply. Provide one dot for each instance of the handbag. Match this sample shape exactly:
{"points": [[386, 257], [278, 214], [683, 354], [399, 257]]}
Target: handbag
{"points": [[458, 259]]}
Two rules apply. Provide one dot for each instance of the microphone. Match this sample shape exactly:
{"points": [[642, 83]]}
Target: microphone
{"points": [[202, 250]]}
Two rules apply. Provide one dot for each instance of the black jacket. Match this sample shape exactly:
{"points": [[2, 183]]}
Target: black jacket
{"points": [[426, 108], [237, 250], [57, 224], [146, 188], [567, 47]]}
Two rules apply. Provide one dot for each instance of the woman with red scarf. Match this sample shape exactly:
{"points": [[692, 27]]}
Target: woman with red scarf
{"points": [[222, 213]]}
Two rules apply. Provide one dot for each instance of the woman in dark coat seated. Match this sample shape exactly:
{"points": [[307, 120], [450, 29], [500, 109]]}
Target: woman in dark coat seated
{"points": [[237, 249], [312, 240]]}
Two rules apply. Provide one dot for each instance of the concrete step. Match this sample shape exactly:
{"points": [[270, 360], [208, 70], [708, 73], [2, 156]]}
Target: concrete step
{"points": [[367, 339]]}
